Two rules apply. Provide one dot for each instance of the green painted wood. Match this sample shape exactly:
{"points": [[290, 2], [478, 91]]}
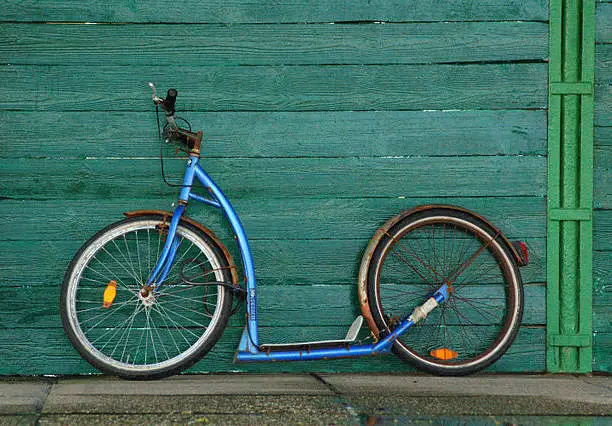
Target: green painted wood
{"points": [[51, 353], [554, 160], [603, 13], [585, 297], [304, 88], [603, 84], [570, 185], [603, 136], [571, 88], [603, 105], [602, 273], [570, 143], [602, 195], [602, 230], [488, 154], [278, 262], [602, 347], [272, 177], [273, 11], [281, 134], [602, 303], [268, 218], [279, 306], [602, 256], [295, 44]]}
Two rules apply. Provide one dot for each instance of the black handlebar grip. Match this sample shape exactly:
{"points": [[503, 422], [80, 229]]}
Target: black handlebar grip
{"points": [[170, 100]]}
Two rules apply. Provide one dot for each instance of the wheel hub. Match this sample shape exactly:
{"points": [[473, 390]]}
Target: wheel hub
{"points": [[146, 296]]}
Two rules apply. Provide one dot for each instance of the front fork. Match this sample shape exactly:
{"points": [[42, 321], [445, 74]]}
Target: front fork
{"points": [[166, 259]]}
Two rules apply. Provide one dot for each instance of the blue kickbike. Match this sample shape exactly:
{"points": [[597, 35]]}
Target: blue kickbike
{"points": [[148, 296]]}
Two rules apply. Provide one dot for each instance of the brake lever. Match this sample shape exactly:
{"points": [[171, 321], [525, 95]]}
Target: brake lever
{"points": [[156, 99]]}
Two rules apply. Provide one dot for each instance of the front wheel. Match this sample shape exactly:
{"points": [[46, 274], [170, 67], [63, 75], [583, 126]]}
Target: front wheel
{"points": [[138, 334], [480, 319]]}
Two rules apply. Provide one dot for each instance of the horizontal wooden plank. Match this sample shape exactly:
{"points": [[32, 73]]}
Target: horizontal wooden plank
{"points": [[603, 84], [602, 320], [603, 64], [280, 88], [603, 26], [277, 262], [240, 11], [278, 306], [282, 177], [602, 136], [603, 105], [602, 278], [280, 134], [209, 45], [602, 347], [602, 191], [267, 218], [602, 227], [48, 351]]}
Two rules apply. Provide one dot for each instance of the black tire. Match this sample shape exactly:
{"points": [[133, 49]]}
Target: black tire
{"points": [[179, 324], [481, 318]]}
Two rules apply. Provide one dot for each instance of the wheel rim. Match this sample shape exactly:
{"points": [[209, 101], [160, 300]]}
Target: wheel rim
{"points": [[136, 333], [474, 325]]}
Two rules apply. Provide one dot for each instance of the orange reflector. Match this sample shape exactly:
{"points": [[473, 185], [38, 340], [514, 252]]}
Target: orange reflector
{"points": [[443, 353], [109, 294]]}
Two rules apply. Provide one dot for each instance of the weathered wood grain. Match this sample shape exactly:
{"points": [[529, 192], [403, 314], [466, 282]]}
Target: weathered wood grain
{"points": [[51, 353], [315, 157], [297, 44], [602, 191], [603, 105], [277, 262], [282, 177], [280, 134], [270, 218], [603, 25], [273, 11], [278, 306], [603, 84], [279, 88], [602, 229], [602, 347], [603, 136], [602, 276]]}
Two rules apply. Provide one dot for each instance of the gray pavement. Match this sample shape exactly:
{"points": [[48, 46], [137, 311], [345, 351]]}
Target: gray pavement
{"points": [[308, 399]]}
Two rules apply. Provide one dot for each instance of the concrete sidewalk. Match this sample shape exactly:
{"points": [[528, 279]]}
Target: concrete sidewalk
{"points": [[301, 399]]}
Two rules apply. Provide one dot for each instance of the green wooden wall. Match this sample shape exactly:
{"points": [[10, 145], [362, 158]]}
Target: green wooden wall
{"points": [[602, 218], [322, 120]]}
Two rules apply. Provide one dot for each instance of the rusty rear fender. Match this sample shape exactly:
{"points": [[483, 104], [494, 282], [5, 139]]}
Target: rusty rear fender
{"points": [[362, 281]]}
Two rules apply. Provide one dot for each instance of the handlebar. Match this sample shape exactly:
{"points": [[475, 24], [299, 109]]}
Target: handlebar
{"points": [[191, 139], [168, 103]]}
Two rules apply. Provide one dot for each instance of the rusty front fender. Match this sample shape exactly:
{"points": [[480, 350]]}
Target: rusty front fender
{"points": [[166, 216]]}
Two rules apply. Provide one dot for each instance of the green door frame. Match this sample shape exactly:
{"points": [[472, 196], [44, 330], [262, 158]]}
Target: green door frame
{"points": [[570, 186]]}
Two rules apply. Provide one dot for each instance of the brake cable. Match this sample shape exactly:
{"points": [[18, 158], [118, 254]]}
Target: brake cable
{"points": [[161, 149]]}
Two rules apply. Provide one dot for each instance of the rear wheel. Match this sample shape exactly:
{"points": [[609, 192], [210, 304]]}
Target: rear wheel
{"points": [[144, 334], [481, 317]]}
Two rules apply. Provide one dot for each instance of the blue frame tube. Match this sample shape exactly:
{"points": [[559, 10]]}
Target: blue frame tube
{"points": [[246, 354], [163, 258], [243, 245], [249, 346]]}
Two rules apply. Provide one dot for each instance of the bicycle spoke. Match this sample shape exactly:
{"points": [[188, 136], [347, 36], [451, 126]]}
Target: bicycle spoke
{"points": [[132, 273], [187, 309]]}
